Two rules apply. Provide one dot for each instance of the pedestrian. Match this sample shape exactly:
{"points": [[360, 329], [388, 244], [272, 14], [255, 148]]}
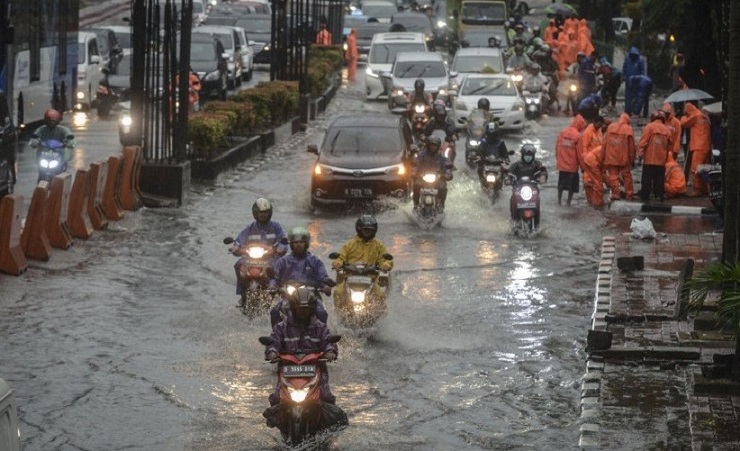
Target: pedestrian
{"points": [[619, 152], [568, 159], [674, 125], [586, 77], [654, 147], [612, 81], [593, 174], [700, 143], [351, 55], [642, 87], [675, 182], [323, 37], [633, 65]]}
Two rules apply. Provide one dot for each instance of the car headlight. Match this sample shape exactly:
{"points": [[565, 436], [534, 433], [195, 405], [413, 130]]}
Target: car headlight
{"points": [[491, 178], [256, 252], [518, 106], [526, 193], [441, 24], [298, 394], [267, 47], [401, 169], [80, 95], [573, 87], [474, 142], [370, 73], [213, 76], [320, 169], [231, 58], [429, 178]]}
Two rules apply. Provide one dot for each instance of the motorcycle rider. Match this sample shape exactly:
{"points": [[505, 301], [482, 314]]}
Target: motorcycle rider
{"points": [[299, 266], [419, 96], [430, 160], [484, 109], [492, 146], [440, 120], [264, 230], [302, 330], [53, 130], [528, 166], [363, 248], [534, 82], [519, 60]]}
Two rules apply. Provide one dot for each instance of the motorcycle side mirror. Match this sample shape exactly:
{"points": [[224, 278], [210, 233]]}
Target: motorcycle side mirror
{"points": [[511, 152], [330, 282], [387, 256], [313, 148], [333, 338], [267, 341], [228, 240], [269, 272], [716, 152], [334, 255]]}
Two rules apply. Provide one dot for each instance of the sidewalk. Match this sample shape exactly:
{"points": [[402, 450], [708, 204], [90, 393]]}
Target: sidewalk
{"points": [[649, 371]]}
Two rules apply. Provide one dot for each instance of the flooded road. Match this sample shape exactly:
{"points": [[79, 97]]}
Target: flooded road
{"points": [[130, 340]]}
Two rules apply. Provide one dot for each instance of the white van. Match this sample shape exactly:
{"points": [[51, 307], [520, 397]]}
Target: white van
{"points": [[383, 50], [10, 435], [88, 69]]}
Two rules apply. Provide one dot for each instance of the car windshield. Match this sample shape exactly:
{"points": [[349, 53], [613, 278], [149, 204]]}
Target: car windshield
{"points": [[417, 69], [81, 53], [202, 51], [488, 87], [483, 13], [255, 25], [420, 24], [197, 8], [379, 10], [368, 140], [386, 53], [476, 63]]}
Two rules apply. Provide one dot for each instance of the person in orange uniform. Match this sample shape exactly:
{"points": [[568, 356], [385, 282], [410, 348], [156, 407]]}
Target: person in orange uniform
{"points": [[654, 147], [550, 31], [700, 143], [619, 152], [674, 125], [323, 37], [568, 158], [351, 55], [591, 155], [675, 182]]}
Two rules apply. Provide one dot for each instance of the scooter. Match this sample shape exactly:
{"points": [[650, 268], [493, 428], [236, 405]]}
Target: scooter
{"points": [[535, 102], [525, 204], [107, 98], [430, 211], [362, 302], [300, 413], [51, 160], [256, 257], [476, 130], [491, 173], [280, 309], [419, 118], [711, 174]]}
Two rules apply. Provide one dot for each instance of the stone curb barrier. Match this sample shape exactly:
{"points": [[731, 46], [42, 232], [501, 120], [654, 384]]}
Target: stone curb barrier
{"points": [[111, 203], [98, 173], [620, 205], [56, 227], [128, 191], [34, 240], [78, 220], [12, 259]]}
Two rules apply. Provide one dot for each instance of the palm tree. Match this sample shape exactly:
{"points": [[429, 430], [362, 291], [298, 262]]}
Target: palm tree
{"points": [[725, 280]]}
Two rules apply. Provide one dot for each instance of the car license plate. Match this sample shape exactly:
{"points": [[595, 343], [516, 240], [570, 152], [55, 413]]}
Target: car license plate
{"points": [[299, 370], [358, 192]]}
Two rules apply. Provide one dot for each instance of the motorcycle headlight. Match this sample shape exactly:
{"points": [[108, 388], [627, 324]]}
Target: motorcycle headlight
{"points": [[213, 76], [442, 92], [126, 120], [266, 48], [441, 24], [370, 73], [526, 193], [419, 109], [345, 46], [357, 296], [256, 252], [80, 95], [536, 100], [298, 394], [53, 164], [290, 289], [491, 178], [429, 178], [517, 78], [44, 163], [398, 91], [231, 58], [474, 142], [573, 88]]}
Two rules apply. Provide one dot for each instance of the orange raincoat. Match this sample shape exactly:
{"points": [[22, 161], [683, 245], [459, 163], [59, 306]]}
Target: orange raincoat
{"points": [[675, 182], [700, 143], [567, 152], [619, 152], [593, 163], [674, 125], [352, 55]]}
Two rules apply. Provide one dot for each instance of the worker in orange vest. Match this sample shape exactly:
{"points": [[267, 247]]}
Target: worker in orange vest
{"points": [[351, 55], [590, 145], [675, 181], [654, 147], [619, 152], [700, 143], [323, 37]]}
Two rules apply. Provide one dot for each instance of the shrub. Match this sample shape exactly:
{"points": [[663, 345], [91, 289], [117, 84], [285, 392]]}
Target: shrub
{"points": [[244, 120], [207, 131]]}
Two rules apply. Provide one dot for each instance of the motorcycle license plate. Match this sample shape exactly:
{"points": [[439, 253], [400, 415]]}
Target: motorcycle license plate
{"points": [[491, 168], [299, 370], [428, 192], [256, 263], [358, 192], [524, 205]]}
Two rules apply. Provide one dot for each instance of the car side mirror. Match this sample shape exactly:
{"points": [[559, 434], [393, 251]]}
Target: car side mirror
{"points": [[453, 74], [313, 148]]}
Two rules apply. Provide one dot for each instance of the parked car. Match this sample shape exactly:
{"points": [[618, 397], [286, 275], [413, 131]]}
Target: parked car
{"points": [[230, 40], [8, 146], [383, 50], [411, 66], [208, 59], [88, 69], [418, 23], [362, 157], [501, 92]]}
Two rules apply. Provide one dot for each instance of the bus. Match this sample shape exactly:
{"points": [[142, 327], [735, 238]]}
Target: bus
{"points": [[38, 57]]}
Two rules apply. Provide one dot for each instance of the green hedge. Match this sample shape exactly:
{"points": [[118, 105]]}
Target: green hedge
{"points": [[323, 63], [207, 132]]}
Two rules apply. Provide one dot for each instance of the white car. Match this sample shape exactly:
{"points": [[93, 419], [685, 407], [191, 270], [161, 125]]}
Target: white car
{"points": [[383, 50], [411, 66], [501, 92], [88, 69], [231, 40]]}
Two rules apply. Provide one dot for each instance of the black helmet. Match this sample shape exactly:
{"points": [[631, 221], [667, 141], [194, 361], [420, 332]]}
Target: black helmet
{"points": [[262, 205], [366, 222], [299, 234], [484, 104], [528, 150], [434, 143], [492, 129], [303, 298], [440, 110], [536, 30], [419, 85]]}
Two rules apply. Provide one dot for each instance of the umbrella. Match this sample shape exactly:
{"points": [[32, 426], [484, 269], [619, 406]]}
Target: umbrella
{"points": [[561, 9], [687, 95], [713, 108]]}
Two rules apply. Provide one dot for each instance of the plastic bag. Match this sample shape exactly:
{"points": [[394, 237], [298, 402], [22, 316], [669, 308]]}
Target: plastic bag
{"points": [[642, 228]]}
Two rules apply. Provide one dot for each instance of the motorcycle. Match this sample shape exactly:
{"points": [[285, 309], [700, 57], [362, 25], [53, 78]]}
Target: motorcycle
{"points": [[448, 145], [286, 290], [300, 414], [491, 174], [569, 89], [107, 98], [257, 257], [362, 301], [419, 117], [51, 159], [711, 174], [525, 204], [476, 130], [430, 211], [536, 101]]}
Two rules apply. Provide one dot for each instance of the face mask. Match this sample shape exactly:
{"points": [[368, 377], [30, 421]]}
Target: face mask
{"points": [[528, 158]]}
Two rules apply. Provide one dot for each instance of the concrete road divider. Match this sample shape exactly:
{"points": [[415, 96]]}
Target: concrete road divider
{"points": [[57, 228], [79, 222], [111, 203], [34, 240], [128, 187], [12, 259], [98, 172]]}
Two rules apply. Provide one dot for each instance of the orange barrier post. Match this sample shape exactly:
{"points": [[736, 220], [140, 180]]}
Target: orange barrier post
{"points": [[111, 204], [12, 259], [77, 218], [34, 240], [98, 172], [57, 228], [127, 192]]}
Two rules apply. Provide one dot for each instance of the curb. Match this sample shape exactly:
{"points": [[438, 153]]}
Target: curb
{"points": [[591, 385], [620, 205]]}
